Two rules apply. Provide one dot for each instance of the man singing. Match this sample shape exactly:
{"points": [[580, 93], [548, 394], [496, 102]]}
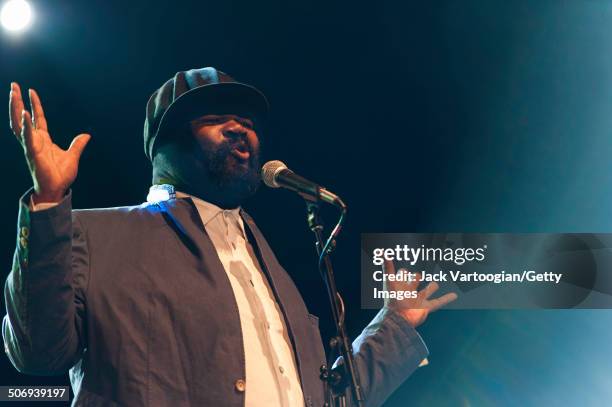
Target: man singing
{"points": [[179, 301]]}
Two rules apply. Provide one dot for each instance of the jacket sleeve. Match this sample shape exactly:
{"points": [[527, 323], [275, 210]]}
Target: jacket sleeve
{"points": [[44, 293], [386, 353]]}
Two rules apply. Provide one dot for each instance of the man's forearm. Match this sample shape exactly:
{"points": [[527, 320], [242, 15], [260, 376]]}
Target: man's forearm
{"points": [[386, 353], [39, 330]]}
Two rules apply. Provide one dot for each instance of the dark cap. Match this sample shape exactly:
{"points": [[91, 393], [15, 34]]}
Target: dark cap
{"points": [[194, 93]]}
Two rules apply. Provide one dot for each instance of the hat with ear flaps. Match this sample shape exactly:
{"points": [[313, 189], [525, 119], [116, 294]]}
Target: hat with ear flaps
{"points": [[195, 93]]}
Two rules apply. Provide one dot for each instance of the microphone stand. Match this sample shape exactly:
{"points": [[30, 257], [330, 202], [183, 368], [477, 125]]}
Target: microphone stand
{"points": [[338, 379]]}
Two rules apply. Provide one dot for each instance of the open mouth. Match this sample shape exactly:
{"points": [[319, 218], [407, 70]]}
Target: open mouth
{"points": [[241, 152]]}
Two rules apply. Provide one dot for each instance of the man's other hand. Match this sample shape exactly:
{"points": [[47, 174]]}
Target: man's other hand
{"points": [[414, 310]]}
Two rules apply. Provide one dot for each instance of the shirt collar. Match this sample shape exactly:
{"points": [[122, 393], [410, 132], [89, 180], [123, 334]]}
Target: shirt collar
{"points": [[208, 211]]}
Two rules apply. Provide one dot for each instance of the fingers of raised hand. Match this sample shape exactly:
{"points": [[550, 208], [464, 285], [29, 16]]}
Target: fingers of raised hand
{"points": [[15, 109], [422, 300], [441, 301], [39, 115], [401, 285], [414, 284], [388, 267], [78, 145], [27, 132], [429, 290]]}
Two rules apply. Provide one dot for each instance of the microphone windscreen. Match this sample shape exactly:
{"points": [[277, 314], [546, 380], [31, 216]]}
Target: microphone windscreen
{"points": [[269, 172]]}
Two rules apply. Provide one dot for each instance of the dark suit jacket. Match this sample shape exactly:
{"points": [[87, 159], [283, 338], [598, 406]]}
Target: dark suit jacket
{"points": [[135, 302]]}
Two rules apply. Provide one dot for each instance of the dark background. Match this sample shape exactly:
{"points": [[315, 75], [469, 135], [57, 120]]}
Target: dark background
{"points": [[445, 116]]}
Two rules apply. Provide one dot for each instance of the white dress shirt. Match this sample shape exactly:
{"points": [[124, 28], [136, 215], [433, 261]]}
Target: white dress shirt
{"points": [[271, 370]]}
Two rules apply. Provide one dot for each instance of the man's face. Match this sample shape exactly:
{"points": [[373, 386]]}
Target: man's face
{"points": [[228, 151]]}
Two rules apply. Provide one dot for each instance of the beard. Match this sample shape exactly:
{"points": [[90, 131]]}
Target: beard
{"points": [[235, 180]]}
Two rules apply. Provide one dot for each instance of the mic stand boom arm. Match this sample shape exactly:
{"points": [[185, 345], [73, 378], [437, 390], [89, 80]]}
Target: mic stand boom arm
{"points": [[336, 380]]}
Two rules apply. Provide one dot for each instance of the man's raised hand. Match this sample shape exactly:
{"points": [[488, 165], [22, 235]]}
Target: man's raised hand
{"points": [[414, 310], [53, 169]]}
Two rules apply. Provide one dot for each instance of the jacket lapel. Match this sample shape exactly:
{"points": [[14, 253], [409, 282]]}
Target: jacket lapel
{"points": [[182, 216]]}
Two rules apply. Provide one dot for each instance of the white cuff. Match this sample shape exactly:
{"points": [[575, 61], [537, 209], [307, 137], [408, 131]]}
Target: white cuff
{"points": [[41, 206]]}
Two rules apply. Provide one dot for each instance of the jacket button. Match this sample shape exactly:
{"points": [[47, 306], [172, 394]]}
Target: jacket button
{"points": [[240, 385], [23, 242], [25, 232]]}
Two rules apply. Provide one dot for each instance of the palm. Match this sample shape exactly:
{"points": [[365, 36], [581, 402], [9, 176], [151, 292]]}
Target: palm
{"points": [[414, 310], [50, 165], [416, 316], [53, 169]]}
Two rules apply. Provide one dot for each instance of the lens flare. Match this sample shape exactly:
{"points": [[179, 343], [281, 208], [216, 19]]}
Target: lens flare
{"points": [[16, 15]]}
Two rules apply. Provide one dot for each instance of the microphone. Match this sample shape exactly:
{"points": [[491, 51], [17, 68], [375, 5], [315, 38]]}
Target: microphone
{"points": [[275, 174]]}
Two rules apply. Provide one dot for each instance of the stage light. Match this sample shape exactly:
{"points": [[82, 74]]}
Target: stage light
{"points": [[15, 15]]}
